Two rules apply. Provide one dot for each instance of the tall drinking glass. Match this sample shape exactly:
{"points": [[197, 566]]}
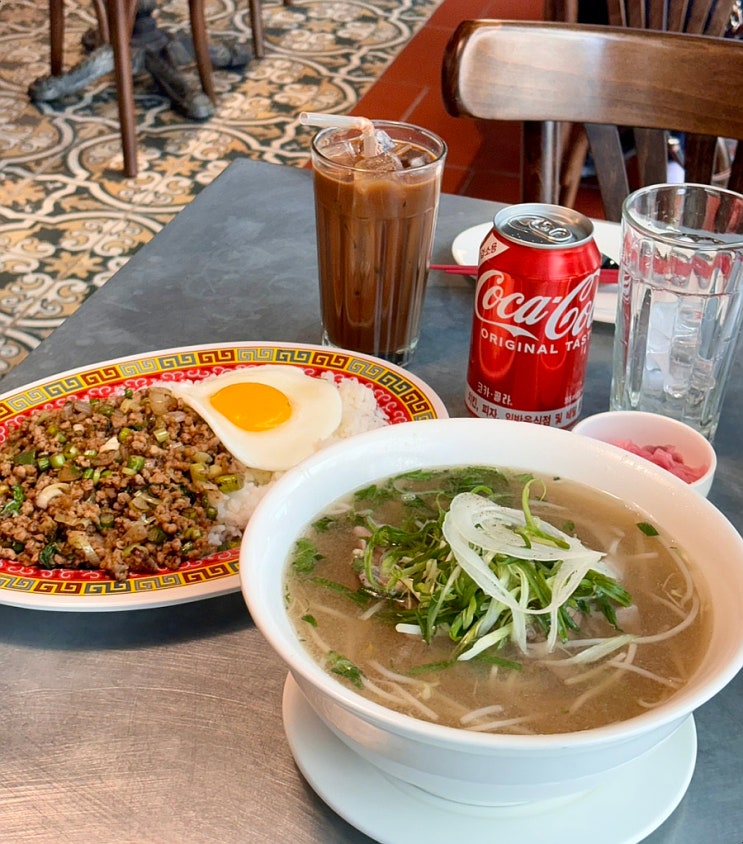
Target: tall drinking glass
{"points": [[680, 302], [376, 216]]}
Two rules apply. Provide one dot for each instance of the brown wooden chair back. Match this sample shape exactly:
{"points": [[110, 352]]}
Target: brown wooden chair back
{"points": [[606, 77], [701, 17]]}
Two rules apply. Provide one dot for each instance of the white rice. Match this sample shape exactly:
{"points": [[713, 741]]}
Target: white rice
{"points": [[360, 413]]}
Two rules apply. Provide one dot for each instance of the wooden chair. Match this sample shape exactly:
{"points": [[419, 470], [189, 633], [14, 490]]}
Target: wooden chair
{"points": [[700, 17], [256, 26], [604, 77], [115, 25]]}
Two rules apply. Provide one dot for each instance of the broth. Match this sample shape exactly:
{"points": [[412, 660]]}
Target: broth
{"points": [[554, 680]]}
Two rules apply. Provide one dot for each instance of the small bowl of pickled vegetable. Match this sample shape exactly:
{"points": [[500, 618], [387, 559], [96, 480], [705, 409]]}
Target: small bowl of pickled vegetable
{"points": [[666, 442], [493, 612]]}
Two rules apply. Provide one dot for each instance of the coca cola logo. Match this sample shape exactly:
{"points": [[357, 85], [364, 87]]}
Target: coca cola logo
{"points": [[498, 305]]}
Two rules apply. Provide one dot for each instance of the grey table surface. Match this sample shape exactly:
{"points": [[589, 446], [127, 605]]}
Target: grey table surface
{"points": [[165, 724]]}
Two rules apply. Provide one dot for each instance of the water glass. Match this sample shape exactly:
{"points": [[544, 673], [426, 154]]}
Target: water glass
{"points": [[680, 302]]}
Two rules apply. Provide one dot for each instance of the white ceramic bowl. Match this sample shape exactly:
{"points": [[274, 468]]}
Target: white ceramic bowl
{"points": [[652, 429], [458, 765]]}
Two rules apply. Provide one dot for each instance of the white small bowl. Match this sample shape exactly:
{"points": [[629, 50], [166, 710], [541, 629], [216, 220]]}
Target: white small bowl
{"points": [[652, 429]]}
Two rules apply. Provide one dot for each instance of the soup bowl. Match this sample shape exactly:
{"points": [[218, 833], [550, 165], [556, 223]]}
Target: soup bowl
{"points": [[456, 764]]}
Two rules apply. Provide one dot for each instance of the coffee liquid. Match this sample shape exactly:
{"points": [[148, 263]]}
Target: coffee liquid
{"points": [[374, 233]]}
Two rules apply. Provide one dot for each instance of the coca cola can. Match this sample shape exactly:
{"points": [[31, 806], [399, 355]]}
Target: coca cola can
{"points": [[536, 284]]}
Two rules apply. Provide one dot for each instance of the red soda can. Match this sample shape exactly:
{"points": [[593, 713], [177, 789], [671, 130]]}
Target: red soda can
{"points": [[536, 284]]}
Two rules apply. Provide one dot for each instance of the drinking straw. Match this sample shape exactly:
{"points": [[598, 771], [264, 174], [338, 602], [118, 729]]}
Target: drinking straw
{"points": [[340, 121]]}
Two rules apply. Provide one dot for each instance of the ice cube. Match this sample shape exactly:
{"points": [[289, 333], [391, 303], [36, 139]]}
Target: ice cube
{"points": [[384, 142], [413, 157], [386, 162]]}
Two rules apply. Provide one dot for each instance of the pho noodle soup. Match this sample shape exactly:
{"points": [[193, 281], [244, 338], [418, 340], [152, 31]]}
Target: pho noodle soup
{"points": [[496, 601]]}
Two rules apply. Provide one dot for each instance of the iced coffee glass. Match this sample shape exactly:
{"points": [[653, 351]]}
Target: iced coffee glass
{"points": [[376, 214], [680, 302]]}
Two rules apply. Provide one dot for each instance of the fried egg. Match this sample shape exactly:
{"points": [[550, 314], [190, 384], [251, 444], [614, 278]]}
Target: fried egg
{"points": [[268, 417]]}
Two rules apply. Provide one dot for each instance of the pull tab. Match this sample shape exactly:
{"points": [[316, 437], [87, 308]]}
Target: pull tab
{"points": [[536, 228]]}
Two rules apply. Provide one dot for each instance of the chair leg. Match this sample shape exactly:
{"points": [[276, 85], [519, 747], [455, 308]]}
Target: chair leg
{"points": [[201, 47], [120, 23], [256, 24], [102, 18], [56, 36]]}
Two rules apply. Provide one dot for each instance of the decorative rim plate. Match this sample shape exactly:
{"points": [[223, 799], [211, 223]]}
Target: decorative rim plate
{"points": [[466, 246], [402, 396]]}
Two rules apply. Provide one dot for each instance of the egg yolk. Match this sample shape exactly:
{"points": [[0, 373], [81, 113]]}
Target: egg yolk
{"points": [[252, 406]]}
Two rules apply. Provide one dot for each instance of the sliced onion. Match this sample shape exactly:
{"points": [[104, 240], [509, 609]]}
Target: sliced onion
{"points": [[160, 400], [79, 539], [49, 492], [474, 522]]}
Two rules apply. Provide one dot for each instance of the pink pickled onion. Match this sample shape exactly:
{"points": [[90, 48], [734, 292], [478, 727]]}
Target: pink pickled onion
{"points": [[666, 456]]}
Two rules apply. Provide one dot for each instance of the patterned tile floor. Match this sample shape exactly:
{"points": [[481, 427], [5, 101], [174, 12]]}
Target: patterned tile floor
{"points": [[69, 220]]}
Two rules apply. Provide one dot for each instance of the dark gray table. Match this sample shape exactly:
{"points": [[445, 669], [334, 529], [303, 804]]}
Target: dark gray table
{"points": [[164, 725]]}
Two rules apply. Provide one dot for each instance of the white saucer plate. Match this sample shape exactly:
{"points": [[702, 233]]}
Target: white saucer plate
{"points": [[466, 246], [637, 797]]}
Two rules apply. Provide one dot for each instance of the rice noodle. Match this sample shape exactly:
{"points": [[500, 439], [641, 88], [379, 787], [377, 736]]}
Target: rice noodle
{"points": [[373, 609], [393, 675], [598, 689], [659, 637], [670, 604], [685, 573], [597, 650], [493, 709], [497, 725], [403, 695], [670, 682], [409, 629]]}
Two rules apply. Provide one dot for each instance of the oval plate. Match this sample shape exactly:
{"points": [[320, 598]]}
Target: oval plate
{"points": [[402, 396]]}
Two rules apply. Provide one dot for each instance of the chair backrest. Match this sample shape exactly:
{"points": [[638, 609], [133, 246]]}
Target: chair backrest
{"points": [[702, 17], [605, 77]]}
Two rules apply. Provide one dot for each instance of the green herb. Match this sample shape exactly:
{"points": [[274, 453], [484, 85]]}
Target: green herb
{"points": [[510, 664], [358, 596], [134, 464], [305, 556], [310, 619], [156, 535], [13, 506], [46, 555], [229, 482], [322, 525], [647, 529], [56, 461], [430, 667], [161, 435], [343, 667], [416, 569]]}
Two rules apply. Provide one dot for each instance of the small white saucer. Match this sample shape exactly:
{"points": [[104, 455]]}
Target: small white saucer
{"points": [[465, 250], [637, 797]]}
